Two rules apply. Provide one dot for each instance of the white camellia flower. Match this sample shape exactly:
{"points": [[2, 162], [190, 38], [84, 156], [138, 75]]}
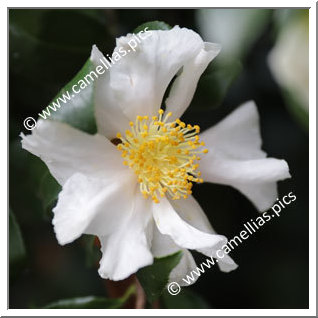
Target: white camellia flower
{"points": [[136, 196]]}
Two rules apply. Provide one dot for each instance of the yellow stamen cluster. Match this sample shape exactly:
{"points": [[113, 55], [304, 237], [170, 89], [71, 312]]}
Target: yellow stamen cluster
{"points": [[163, 155]]}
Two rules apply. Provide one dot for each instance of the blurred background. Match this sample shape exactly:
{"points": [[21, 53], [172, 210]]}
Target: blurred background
{"points": [[264, 58]]}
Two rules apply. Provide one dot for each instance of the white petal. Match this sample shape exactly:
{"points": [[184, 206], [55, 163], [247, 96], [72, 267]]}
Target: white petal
{"points": [[141, 77], [128, 249], [185, 84], [237, 135], [163, 245], [110, 118], [235, 158], [191, 212], [185, 267], [218, 168], [225, 263], [136, 83], [66, 150], [183, 234], [92, 206]]}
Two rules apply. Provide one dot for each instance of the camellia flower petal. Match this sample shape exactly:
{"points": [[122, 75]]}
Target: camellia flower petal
{"points": [[237, 158], [131, 183]]}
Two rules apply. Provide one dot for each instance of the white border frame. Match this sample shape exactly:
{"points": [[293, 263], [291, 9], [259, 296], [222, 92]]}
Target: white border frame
{"points": [[312, 162]]}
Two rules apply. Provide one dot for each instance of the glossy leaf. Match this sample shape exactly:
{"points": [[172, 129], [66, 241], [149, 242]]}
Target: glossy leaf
{"points": [[153, 25], [215, 83], [92, 250], [89, 302], [37, 184], [154, 278], [92, 302], [78, 111], [186, 299], [16, 244], [48, 191], [30, 169], [47, 47]]}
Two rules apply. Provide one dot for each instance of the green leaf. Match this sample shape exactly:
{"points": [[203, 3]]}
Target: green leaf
{"points": [[154, 278], [78, 111], [91, 250], [39, 187], [186, 299], [92, 302], [153, 25], [16, 245], [26, 172], [47, 47], [48, 191], [215, 83], [89, 302], [37, 184]]}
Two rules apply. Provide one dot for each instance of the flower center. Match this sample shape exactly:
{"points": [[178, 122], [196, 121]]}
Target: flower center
{"points": [[163, 155]]}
